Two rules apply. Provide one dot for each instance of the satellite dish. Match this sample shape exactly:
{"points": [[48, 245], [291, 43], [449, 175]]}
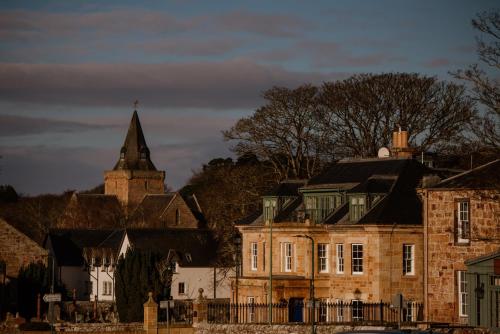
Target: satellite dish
{"points": [[383, 152]]}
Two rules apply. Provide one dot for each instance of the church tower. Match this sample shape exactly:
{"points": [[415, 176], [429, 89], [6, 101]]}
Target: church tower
{"points": [[134, 175]]}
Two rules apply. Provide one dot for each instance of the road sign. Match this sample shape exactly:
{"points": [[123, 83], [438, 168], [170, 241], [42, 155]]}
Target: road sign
{"points": [[52, 297], [166, 303]]}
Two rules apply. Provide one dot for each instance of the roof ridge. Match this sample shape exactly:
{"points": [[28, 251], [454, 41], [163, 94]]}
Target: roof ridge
{"points": [[469, 171]]}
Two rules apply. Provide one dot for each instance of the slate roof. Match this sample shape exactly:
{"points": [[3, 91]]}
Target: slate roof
{"points": [[251, 218], [287, 188], [68, 244], [374, 185], [356, 171], [198, 243], [135, 150], [486, 176]]}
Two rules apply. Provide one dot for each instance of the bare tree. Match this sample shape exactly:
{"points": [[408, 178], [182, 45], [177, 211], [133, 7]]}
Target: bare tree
{"points": [[360, 113], [486, 90], [285, 132]]}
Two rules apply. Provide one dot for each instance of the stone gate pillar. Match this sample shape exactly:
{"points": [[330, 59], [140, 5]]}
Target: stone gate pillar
{"points": [[150, 315], [200, 309]]}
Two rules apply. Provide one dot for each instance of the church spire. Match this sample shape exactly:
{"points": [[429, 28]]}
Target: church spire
{"points": [[134, 154]]}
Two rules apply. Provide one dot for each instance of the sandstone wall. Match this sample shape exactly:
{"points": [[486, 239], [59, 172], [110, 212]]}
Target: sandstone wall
{"points": [[445, 257], [17, 250]]}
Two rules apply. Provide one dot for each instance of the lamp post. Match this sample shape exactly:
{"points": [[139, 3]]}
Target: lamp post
{"points": [[311, 284], [270, 292], [237, 243]]}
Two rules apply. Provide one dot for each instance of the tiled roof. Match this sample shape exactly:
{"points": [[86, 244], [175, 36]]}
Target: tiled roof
{"points": [[149, 210], [93, 211]]}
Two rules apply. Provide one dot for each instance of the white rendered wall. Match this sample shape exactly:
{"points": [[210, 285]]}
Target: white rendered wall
{"points": [[196, 278]]}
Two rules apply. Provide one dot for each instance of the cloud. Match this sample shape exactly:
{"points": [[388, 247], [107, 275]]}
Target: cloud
{"points": [[217, 85], [22, 25], [18, 125], [273, 25], [190, 46], [437, 62]]}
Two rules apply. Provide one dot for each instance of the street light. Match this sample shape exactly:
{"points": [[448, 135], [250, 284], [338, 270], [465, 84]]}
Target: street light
{"points": [[311, 286], [237, 243]]}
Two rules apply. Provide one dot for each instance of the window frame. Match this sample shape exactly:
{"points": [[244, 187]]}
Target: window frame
{"points": [[323, 260], [408, 259], [462, 294], [254, 256], [358, 308], [183, 290], [462, 226], [360, 263], [357, 210], [287, 258], [107, 288], [340, 259]]}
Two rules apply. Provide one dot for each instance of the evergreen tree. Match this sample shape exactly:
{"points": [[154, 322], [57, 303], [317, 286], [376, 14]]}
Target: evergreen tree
{"points": [[136, 275], [32, 280]]}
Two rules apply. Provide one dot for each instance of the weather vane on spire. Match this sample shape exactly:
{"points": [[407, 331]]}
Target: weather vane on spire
{"points": [[136, 103]]}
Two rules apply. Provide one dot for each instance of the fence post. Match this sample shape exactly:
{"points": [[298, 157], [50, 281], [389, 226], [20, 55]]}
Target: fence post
{"points": [[381, 312], [150, 315], [200, 309]]}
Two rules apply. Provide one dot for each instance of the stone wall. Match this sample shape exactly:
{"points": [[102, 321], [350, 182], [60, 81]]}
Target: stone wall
{"points": [[304, 329], [17, 250], [274, 329], [444, 256]]}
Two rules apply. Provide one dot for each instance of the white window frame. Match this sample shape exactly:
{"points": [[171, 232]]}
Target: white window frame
{"points": [[340, 258], [463, 220], [251, 308], [411, 307], [356, 260], [408, 259], [253, 256], [462, 293], [107, 288], [340, 310], [323, 258], [287, 256]]}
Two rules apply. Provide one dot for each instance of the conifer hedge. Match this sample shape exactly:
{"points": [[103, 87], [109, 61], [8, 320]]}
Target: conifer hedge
{"points": [[136, 275]]}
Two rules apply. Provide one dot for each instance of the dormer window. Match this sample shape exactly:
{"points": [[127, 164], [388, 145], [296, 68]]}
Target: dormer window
{"points": [[357, 207], [270, 209]]}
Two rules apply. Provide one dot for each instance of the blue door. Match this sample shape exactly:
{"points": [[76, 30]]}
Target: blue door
{"points": [[295, 307]]}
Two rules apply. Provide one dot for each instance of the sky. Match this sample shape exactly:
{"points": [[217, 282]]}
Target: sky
{"points": [[71, 70]]}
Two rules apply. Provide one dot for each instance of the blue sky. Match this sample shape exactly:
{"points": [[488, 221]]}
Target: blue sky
{"points": [[70, 70]]}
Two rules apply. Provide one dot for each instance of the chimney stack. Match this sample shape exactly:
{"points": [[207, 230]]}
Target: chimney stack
{"points": [[400, 146]]}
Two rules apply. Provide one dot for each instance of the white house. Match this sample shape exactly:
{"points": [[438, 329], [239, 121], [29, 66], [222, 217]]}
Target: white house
{"points": [[191, 253], [85, 261]]}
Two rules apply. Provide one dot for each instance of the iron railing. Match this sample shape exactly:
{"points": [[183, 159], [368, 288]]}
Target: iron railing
{"points": [[321, 312]]}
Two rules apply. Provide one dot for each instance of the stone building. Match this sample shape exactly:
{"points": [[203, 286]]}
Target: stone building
{"points": [[17, 249], [365, 218], [461, 223]]}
